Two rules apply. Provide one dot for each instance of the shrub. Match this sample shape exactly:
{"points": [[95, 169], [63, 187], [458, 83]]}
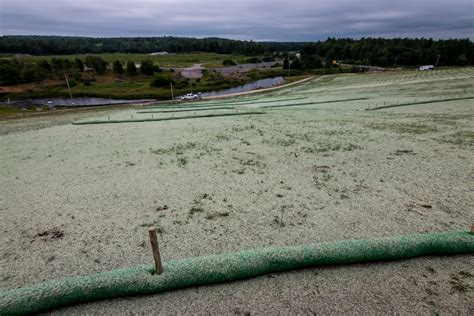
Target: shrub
{"points": [[228, 62], [147, 68], [131, 68], [160, 80], [97, 63], [117, 67], [268, 58], [253, 60]]}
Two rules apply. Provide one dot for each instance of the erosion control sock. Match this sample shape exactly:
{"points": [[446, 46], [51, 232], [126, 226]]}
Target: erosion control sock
{"points": [[227, 267]]}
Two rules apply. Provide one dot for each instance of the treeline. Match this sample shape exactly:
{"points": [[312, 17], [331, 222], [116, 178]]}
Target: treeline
{"points": [[14, 71], [368, 51], [61, 45], [388, 52]]}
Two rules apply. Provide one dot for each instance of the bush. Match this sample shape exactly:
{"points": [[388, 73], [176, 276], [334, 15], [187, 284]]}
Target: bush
{"points": [[131, 68], [117, 67], [228, 62], [181, 84], [147, 68], [89, 81], [95, 62], [79, 64], [253, 60], [160, 81], [268, 58], [33, 73], [14, 72]]}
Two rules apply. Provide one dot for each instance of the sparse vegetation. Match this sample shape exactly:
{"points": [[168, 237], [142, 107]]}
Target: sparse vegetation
{"points": [[196, 209]]}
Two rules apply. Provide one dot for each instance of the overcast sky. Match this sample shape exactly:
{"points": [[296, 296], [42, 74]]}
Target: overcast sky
{"points": [[289, 20]]}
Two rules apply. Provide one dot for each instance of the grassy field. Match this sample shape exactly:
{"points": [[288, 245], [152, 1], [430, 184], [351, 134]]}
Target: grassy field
{"points": [[77, 199], [170, 60]]}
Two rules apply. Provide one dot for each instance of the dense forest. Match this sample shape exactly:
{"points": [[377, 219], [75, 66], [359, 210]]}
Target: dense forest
{"points": [[370, 51], [389, 52], [316, 55], [59, 45]]}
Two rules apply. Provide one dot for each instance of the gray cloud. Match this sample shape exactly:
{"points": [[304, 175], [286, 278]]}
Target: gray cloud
{"points": [[297, 20]]}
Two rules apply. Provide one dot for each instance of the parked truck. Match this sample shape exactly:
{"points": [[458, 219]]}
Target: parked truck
{"points": [[191, 96]]}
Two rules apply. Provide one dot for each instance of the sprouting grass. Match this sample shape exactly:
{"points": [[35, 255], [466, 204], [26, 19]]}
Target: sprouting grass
{"points": [[421, 102], [326, 147], [182, 161], [178, 149], [181, 149], [196, 209], [285, 142], [187, 110], [166, 118], [459, 285], [404, 128], [460, 138], [7, 110], [314, 103]]}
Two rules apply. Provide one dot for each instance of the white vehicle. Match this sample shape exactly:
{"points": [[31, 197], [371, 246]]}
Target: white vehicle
{"points": [[190, 96], [426, 67]]}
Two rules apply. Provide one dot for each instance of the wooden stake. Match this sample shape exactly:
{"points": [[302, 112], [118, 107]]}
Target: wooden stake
{"points": [[472, 229], [155, 250]]}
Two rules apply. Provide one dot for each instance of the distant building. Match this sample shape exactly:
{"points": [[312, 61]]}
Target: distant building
{"points": [[159, 54]]}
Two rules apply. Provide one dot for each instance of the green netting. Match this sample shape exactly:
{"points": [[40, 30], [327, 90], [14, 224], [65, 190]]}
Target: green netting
{"points": [[311, 103], [187, 109], [227, 267], [222, 103], [420, 102], [166, 118]]}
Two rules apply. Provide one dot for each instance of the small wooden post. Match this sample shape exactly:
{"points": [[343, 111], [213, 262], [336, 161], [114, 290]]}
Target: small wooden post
{"points": [[472, 229], [155, 250]]}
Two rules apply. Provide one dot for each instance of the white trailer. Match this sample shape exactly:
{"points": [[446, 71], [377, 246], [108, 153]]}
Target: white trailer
{"points": [[425, 67]]}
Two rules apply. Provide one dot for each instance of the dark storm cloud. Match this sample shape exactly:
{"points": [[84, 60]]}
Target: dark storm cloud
{"points": [[297, 20]]}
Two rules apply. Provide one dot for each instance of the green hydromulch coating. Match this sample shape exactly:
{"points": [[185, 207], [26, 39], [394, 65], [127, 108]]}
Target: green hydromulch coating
{"points": [[165, 118], [227, 267], [310, 103], [185, 105], [223, 102], [265, 101], [421, 102], [187, 110]]}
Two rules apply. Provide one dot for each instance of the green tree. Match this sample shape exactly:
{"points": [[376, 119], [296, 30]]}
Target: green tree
{"points": [[97, 63], [79, 64], [461, 60], [60, 65], [10, 72], [33, 73], [131, 68], [297, 64], [45, 65], [146, 67], [117, 67], [228, 62], [160, 80]]}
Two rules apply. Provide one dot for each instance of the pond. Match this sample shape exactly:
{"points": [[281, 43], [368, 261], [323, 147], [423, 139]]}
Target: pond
{"points": [[86, 101], [259, 84], [62, 102]]}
